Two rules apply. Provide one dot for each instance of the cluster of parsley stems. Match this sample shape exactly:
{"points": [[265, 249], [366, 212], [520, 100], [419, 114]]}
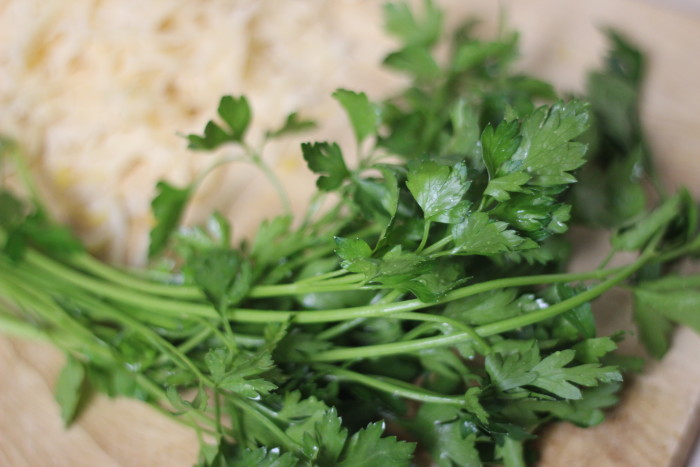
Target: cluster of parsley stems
{"points": [[177, 302], [30, 285]]}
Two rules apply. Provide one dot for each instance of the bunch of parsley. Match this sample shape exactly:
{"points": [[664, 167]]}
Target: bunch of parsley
{"points": [[430, 301]]}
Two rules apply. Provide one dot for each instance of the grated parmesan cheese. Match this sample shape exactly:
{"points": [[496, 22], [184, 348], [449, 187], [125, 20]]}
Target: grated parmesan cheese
{"points": [[96, 91]]}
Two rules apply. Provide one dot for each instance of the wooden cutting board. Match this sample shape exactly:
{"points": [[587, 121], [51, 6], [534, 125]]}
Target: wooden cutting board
{"points": [[657, 421]]}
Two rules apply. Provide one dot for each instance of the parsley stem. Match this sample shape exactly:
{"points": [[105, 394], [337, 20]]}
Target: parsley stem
{"points": [[189, 309], [159, 396], [217, 410], [418, 331], [11, 150], [192, 293], [688, 248], [195, 340], [340, 328], [258, 161], [34, 301], [390, 386], [437, 246], [513, 451], [162, 344], [271, 427], [485, 347], [18, 328], [182, 309], [263, 291], [607, 258], [371, 351], [558, 308], [116, 275], [345, 326], [107, 290], [376, 310], [323, 277], [424, 239]]}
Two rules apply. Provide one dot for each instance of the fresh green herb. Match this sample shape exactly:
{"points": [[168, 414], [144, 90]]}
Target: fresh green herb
{"points": [[430, 299]]}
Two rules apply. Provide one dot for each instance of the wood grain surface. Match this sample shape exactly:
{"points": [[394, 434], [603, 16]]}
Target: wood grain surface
{"points": [[657, 421]]}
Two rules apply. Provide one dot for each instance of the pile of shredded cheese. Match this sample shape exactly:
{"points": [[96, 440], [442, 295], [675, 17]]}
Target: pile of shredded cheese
{"points": [[96, 92]]}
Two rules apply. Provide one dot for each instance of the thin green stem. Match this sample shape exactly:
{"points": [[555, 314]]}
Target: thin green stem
{"points": [[217, 411], [192, 293], [273, 179], [221, 162], [692, 247], [13, 326], [607, 259], [271, 427], [34, 301], [425, 328], [513, 452], [182, 309], [112, 274], [187, 419], [424, 239], [126, 320], [484, 346], [345, 326], [195, 340], [499, 327], [12, 150], [320, 277], [295, 288], [437, 246], [377, 310], [390, 386], [108, 290], [339, 329]]}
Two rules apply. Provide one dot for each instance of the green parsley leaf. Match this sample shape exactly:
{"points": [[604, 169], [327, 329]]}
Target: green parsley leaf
{"points": [[642, 232], [236, 113], [292, 124], [486, 307], [523, 367], [593, 349], [478, 235], [546, 151], [679, 306], [416, 60], [401, 22], [464, 137], [513, 369], [438, 190], [363, 114], [167, 207], [378, 198], [260, 457], [474, 53], [499, 188], [367, 447], [447, 435], [241, 376], [71, 390], [325, 158], [352, 249], [552, 376], [223, 275], [213, 137]]}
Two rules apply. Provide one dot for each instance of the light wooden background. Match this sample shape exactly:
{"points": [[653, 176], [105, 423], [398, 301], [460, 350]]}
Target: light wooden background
{"points": [[657, 422]]}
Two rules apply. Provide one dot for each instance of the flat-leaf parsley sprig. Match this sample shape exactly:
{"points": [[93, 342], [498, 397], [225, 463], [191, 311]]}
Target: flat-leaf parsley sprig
{"points": [[429, 298]]}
